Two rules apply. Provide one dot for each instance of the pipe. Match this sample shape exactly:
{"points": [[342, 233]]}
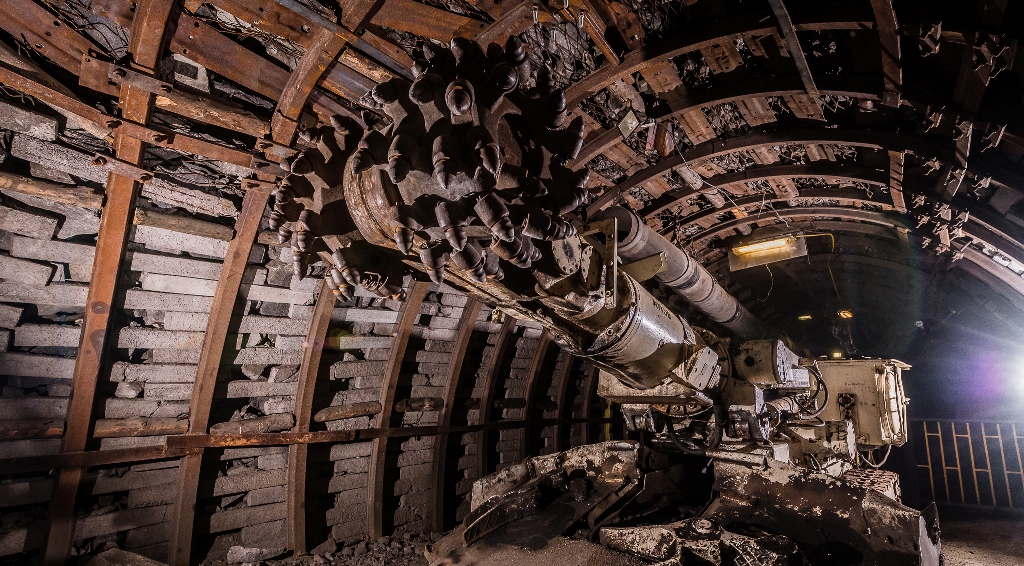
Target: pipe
{"points": [[684, 275]]}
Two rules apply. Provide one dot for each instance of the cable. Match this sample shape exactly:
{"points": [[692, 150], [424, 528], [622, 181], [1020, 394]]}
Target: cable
{"points": [[870, 464], [770, 287], [829, 264]]}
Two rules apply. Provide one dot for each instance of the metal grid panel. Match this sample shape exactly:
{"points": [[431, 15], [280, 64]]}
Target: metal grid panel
{"points": [[974, 463]]}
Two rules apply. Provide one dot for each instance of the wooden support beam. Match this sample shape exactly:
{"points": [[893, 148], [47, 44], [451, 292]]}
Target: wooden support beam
{"points": [[540, 357], [214, 343], [452, 382], [111, 243], [889, 41], [324, 48], [564, 377], [309, 369], [490, 387], [378, 452]]}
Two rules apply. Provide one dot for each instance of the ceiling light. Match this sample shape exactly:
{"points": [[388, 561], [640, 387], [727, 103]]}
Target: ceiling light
{"points": [[769, 245], [845, 314], [804, 317], [837, 354], [765, 251]]}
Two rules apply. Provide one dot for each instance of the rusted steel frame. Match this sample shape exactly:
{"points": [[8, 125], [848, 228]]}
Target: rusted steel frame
{"points": [[392, 369], [836, 85], [45, 33], [88, 459], [740, 202], [846, 214], [796, 52], [209, 368], [540, 356], [589, 392], [509, 22], [597, 146], [97, 75], [426, 21], [490, 387], [823, 170], [125, 127], [194, 443], [563, 409], [452, 382], [719, 147], [889, 41], [312, 350], [706, 35], [322, 51], [111, 243]]}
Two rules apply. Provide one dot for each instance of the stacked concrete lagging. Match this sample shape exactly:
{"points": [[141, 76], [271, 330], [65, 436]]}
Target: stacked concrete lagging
{"points": [[584, 383], [357, 378], [549, 401], [44, 287], [515, 388]]}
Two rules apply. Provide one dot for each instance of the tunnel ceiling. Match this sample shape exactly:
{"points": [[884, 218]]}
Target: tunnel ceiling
{"points": [[888, 133]]}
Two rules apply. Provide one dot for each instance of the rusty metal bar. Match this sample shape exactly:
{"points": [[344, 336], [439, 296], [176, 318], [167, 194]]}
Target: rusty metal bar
{"points": [[796, 52], [540, 356], [111, 243], [490, 388], [889, 41], [452, 382], [324, 48], [309, 369], [214, 342], [564, 377], [48, 36], [378, 452]]}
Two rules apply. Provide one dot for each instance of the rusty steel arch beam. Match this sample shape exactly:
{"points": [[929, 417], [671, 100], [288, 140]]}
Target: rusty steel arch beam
{"points": [[563, 410], [410, 311], [111, 242], [451, 385], [803, 135], [540, 356], [852, 173], [322, 51], [846, 214], [209, 368], [835, 17], [832, 194], [490, 387], [309, 369], [589, 392]]}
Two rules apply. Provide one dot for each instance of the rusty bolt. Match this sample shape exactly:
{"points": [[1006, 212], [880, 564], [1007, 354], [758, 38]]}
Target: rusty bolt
{"points": [[158, 137], [120, 73], [99, 160], [113, 123], [166, 88], [146, 177]]}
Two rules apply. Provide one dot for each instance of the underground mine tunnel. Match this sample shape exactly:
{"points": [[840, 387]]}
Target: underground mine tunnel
{"points": [[497, 282]]}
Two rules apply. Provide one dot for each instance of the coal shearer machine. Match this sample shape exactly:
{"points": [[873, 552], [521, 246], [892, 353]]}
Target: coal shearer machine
{"points": [[746, 454]]}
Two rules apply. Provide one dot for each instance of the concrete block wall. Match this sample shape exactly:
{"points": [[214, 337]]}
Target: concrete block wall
{"points": [[43, 286], [555, 385], [582, 384], [515, 388]]}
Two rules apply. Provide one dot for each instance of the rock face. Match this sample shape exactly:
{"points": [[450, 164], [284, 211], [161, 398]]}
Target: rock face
{"points": [[241, 554], [118, 557]]}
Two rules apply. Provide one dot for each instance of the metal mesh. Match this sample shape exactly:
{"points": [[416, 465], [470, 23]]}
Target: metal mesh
{"points": [[607, 168], [726, 120], [693, 70], [659, 18], [111, 37], [288, 52], [733, 162], [791, 153], [599, 108], [408, 42], [460, 7], [564, 49]]}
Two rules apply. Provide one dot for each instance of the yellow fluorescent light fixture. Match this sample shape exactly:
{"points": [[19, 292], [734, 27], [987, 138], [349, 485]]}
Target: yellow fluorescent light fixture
{"points": [[804, 317], [845, 314], [837, 354], [765, 246]]}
